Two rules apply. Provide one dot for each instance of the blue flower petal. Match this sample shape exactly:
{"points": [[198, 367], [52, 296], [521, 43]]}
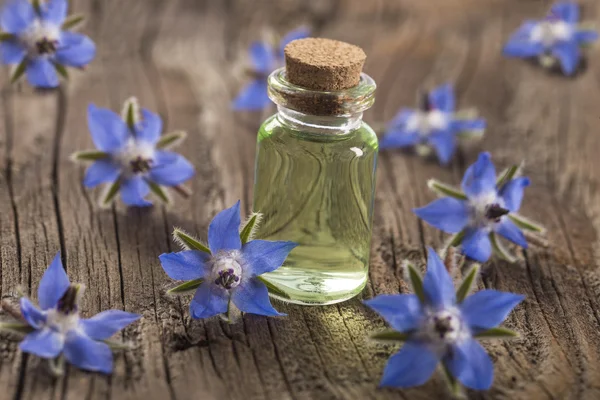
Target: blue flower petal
{"points": [[488, 308], [105, 324], [223, 231], [476, 245], [413, 365], [12, 52], [16, 16], [262, 256], [442, 98], [55, 11], [253, 97], [150, 127], [44, 343], [108, 130], [507, 229], [209, 300], [447, 214], [480, 177], [34, 317], [185, 265], [173, 173], [134, 190], [252, 296], [262, 57], [402, 311], [101, 171], [568, 54], [53, 284], [76, 50], [300, 33], [398, 139], [512, 193], [87, 354], [466, 125], [401, 118], [523, 48], [568, 11], [437, 283], [471, 365], [586, 36], [444, 143], [42, 73]]}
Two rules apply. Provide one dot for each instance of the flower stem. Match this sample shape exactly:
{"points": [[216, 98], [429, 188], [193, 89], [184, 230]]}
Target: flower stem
{"points": [[183, 191]]}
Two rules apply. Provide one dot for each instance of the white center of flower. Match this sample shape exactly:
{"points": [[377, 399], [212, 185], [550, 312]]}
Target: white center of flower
{"points": [[137, 157], [550, 32], [227, 269], [441, 328], [41, 38], [61, 322], [425, 122], [486, 210]]}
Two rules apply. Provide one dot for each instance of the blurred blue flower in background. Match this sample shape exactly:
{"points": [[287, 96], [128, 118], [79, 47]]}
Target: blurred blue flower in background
{"points": [[265, 58], [436, 124], [132, 155], [438, 323], [227, 272], [486, 206], [559, 37], [57, 329], [35, 38]]}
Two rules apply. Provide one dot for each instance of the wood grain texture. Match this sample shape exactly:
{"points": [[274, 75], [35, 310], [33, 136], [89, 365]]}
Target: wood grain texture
{"points": [[184, 58]]}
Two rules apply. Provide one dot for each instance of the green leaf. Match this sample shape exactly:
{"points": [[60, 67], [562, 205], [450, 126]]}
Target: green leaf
{"points": [[131, 113], [468, 113], [62, 70], [453, 384], [497, 333], [186, 287], [499, 249], [467, 284], [507, 175], [250, 227], [110, 193], [416, 281], [457, 239], [273, 288], [4, 36], [159, 192], [16, 327], [474, 134], [72, 21], [57, 366], [526, 224], [171, 139], [389, 335], [189, 241], [37, 6], [445, 190], [91, 155], [114, 345], [18, 71]]}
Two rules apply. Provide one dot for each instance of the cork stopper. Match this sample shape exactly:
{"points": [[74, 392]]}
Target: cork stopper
{"points": [[323, 64]]}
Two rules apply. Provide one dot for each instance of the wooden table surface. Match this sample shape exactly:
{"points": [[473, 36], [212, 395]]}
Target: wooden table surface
{"points": [[183, 58]]}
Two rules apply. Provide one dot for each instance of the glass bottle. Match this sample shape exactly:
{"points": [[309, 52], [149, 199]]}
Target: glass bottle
{"points": [[314, 184]]}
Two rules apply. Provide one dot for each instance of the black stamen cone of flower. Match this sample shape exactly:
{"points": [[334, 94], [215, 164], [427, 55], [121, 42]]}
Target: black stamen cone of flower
{"points": [[494, 212], [443, 326], [68, 303], [423, 100], [46, 46], [140, 165], [227, 278]]}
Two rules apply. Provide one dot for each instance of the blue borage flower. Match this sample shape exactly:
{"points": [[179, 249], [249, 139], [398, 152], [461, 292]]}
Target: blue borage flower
{"points": [[559, 37], [438, 323], [435, 124], [227, 272], [485, 207], [132, 156], [57, 330], [265, 58], [36, 39]]}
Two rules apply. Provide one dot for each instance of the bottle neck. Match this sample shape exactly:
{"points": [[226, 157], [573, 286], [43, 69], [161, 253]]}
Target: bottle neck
{"points": [[332, 125]]}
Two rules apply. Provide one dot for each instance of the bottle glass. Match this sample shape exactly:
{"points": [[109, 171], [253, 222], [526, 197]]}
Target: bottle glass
{"points": [[314, 185]]}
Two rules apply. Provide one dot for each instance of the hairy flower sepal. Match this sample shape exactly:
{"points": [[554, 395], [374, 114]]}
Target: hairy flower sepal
{"points": [[484, 208], [434, 125], [225, 274], [133, 158], [56, 332], [436, 326], [37, 41]]}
